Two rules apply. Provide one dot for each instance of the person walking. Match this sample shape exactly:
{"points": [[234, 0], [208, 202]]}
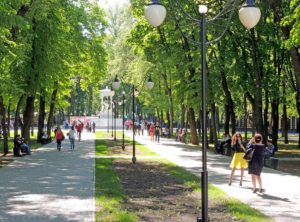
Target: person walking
{"points": [[256, 164], [237, 161], [59, 137], [152, 132], [71, 134], [157, 132], [79, 128]]}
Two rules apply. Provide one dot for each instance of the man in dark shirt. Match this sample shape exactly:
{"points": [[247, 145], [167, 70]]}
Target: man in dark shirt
{"points": [[157, 132]]}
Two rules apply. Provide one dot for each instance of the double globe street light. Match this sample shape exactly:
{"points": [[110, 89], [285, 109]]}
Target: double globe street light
{"points": [[116, 84], [249, 16]]}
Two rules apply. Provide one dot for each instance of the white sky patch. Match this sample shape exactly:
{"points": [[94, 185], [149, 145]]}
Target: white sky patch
{"points": [[111, 3]]}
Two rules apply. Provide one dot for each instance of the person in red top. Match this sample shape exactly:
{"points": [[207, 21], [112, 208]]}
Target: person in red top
{"points": [[79, 128], [59, 137], [152, 132]]}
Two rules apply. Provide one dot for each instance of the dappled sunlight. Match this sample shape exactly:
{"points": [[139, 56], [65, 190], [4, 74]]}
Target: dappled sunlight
{"points": [[50, 185]]}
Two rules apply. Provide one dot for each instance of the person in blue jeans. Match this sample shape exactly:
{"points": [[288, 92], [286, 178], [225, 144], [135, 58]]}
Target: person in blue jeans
{"points": [[72, 138]]}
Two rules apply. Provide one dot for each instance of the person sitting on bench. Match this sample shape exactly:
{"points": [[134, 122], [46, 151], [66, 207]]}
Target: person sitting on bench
{"points": [[270, 149], [17, 145], [24, 147], [45, 138]]}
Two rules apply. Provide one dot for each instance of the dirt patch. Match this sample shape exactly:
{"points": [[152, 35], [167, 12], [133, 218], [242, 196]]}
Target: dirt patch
{"points": [[115, 148], [156, 196]]}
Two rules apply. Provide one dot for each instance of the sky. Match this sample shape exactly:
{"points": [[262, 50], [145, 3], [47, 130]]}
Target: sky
{"points": [[106, 3]]}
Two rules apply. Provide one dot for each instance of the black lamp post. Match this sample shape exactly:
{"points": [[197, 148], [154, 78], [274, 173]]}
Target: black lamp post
{"points": [[112, 113], [133, 125], [115, 85], [108, 115], [123, 122], [149, 85], [249, 15], [115, 116]]}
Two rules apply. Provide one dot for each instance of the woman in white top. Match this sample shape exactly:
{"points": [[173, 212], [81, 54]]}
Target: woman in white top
{"points": [[72, 138]]}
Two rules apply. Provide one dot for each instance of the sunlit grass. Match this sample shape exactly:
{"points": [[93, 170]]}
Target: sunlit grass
{"points": [[108, 191]]}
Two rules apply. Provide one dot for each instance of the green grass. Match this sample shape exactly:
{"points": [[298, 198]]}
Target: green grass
{"points": [[108, 191], [288, 150], [144, 150], [236, 207]]}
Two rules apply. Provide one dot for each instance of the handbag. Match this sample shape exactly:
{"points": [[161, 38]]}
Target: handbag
{"points": [[248, 154]]}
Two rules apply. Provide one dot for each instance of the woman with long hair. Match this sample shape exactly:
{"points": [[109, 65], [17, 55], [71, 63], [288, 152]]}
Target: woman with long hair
{"points": [[237, 161]]}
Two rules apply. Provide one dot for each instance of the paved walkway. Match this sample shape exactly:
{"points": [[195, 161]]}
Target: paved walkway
{"points": [[280, 201], [50, 185]]}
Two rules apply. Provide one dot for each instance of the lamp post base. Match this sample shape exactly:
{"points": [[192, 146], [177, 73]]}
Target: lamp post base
{"points": [[123, 147], [133, 159], [202, 220]]}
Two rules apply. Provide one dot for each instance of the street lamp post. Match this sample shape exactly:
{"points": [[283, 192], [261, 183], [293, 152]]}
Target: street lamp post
{"points": [[115, 116], [133, 125], [123, 112], [115, 85], [249, 16], [108, 114], [112, 118]]}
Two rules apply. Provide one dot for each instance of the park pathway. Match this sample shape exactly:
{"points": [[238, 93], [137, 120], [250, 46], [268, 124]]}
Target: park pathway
{"points": [[50, 185], [280, 201]]}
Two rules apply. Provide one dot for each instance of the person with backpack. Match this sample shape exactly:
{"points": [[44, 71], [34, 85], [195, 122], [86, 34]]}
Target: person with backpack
{"points": [[59, 138]]}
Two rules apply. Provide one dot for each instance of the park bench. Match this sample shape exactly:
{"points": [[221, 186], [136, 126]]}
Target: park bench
{"points": [[271, 162]]}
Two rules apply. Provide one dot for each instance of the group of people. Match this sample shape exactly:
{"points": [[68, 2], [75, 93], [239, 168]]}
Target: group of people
{"points": [[255, 164], [180, 135], [75, 130], [154, 132], [153, 129]]}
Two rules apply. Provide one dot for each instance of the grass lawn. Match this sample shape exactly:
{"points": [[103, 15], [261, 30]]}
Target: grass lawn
{"points": [[116, 179], [108, 190]]}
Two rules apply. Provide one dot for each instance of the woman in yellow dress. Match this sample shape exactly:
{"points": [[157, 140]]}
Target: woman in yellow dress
{"points": [[237, 161]]}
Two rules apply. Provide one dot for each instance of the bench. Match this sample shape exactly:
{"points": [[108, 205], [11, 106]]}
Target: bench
{"points": [[272, 162]]}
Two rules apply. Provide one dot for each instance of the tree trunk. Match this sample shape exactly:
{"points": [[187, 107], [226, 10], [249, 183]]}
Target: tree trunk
{"points": [[4, 126], [168, 120], [293, 51], [193, 128], [266, 111], [227, 119], [182, 117], [8, 119], [214, 125], [232, 118], [258, 88], [284, 127], [41, 119], [171, 110], [27, 118], [18, 121], [90, 102], [245, 118], [295, 55], [51, 111], [211, 128], [275, 121]]}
